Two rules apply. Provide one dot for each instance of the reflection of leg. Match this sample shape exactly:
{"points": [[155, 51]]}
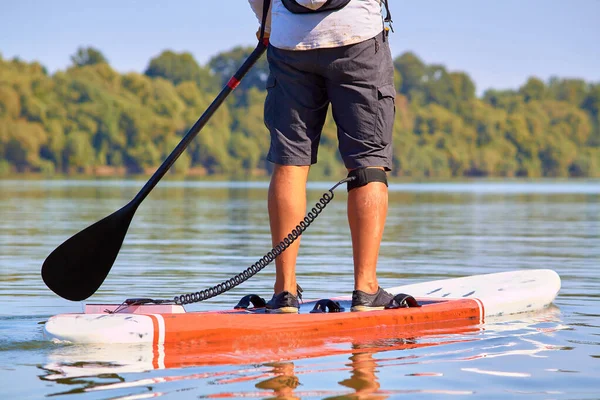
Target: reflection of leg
{"points": [[367, 211], [284, 383], [363, 378], [287, 206]]}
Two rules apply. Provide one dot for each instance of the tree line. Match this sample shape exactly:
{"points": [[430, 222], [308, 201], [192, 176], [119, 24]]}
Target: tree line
{"points": [[90, 119]]}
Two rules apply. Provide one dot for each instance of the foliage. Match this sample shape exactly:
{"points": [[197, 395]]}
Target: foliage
{"points": [[90, 118], [88, 56], [179, 68]]}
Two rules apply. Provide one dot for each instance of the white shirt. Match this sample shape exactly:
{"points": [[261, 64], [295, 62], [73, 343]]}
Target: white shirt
{"points": [[358, 21]]}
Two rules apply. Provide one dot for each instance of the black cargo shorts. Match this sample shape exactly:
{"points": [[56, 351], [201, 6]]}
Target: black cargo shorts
{"points": [[358, 81]]}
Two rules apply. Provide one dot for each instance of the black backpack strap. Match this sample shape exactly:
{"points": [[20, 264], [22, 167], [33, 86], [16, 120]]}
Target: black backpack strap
{"points": [[387, 19], [329, 5], [266, 6], [388, 15]]}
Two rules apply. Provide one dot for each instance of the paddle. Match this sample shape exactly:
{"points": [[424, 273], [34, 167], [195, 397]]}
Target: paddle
{"points": [[77, 268]]}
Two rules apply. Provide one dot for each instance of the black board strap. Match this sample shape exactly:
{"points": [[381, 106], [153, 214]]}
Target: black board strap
{"points": [[402, 300], [326, 305], [256, 300]]}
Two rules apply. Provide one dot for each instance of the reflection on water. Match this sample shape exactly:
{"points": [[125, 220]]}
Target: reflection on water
{"points": [[190, 235], [357, 366]]}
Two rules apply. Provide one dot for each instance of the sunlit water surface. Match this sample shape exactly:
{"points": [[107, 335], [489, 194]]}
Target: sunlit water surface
{"points": [[187, 236]]}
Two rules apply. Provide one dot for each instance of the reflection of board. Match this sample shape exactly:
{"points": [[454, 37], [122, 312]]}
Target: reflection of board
{"points": [[443, 302]]}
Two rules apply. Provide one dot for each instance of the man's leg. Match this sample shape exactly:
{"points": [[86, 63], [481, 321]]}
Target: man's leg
{"points": [[367, 211], [295, 111], [360, 85], [287, 206]]}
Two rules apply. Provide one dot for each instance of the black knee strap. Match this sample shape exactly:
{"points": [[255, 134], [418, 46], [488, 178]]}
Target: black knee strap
{"points": [[363, 176]]}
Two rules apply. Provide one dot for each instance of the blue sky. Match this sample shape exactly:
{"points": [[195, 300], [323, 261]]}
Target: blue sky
{"points": [[498, 43]]}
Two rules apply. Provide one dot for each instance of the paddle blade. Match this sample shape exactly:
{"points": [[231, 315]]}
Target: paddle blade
{"points": [[77, 268]]}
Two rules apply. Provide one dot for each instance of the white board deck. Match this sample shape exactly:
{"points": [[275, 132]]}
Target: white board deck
{"points": [[501, 293]]}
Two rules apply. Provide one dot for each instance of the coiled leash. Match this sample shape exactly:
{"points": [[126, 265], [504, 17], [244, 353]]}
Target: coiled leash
{"points": [[356, 178], [267, 258]]}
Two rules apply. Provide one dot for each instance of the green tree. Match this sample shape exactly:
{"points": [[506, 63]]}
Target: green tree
{"points": [[180, 67], [572, 91], [87, 56], [10, 103], [534, 89], [591, 102], [22, 144], [463, 88], [413, 71], [78, 153], [508, 100]]}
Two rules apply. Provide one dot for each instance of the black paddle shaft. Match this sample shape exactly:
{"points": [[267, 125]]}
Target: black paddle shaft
{"points": [[77, 268], [232, 84]]}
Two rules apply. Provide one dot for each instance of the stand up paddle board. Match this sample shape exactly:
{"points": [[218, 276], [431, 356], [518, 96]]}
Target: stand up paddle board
{"points": [[463, 301]]}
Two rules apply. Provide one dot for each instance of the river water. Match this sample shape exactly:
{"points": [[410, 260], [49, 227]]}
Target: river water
{"points": [[189, 235]]}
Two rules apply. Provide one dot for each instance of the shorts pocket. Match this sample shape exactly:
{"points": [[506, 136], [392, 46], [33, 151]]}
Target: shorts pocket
{"points": [[271, 82], [269, 114], [386, 112], [386, 91]]}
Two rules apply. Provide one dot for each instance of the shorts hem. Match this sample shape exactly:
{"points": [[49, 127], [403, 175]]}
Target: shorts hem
{"points": [[294, 161], [369, 162]]}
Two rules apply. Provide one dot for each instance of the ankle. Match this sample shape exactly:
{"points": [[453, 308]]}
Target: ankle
{"points": [[369, 288], [285, 288]]}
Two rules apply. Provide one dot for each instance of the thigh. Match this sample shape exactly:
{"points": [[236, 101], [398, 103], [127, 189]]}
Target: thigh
{"points": [[360, 83], [295, 107]]}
